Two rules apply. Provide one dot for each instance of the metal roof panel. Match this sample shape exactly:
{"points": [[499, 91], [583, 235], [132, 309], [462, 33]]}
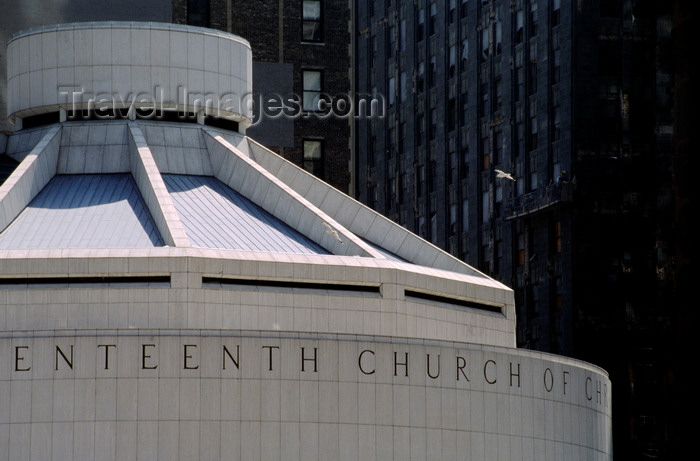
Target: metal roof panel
{"points": [[84, 211], [216, 216]]}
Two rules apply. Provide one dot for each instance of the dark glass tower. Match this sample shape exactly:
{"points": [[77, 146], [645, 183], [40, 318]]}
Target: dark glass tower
{"points": [[574, 100]]}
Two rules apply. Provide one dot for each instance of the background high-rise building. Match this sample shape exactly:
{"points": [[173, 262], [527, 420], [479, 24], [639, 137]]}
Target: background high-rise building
{"points": [[299, 48], [575, 100]]}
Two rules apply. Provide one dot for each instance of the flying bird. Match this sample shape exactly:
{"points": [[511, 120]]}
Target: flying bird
{"points": [[332, 231], [503, 174]]}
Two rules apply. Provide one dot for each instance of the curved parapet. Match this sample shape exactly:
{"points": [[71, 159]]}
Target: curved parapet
{"points": [[106, 69], [273, 396]]}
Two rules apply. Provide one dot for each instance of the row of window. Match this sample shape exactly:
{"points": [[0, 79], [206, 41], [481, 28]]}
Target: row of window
{"points": [[311, 14]]}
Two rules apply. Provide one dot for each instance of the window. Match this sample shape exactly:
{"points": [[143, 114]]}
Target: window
{"points": [[498, 253], [420, 181], [403, 92], [420, 30], [556, 123], [392, 91], [421, 226], [313, 157], [533, 78], [532, 167], [533, 133], [557, 237], [465, 215], [433, 18], [420, 130], [485, 207], [465, 54], [498, 144], [464, 171], [392, 190], [433, 228], [521, 249], [391, 142], [556, 12], [533, 19], [452, 167], [519, 26], [484, 101], [451, 114], [453, 219], [391, 42], [451, 11], [311, 23], [402, 35], [372, 196], [498, 32], [498, 87], [519, 83], [420, 84], [484, 44], [312, 90], [557, 301], [465, 109], [198, 13]]}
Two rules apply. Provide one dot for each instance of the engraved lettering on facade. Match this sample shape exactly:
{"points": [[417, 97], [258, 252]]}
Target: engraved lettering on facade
{"points": [[427, 365], [461, 363], [517, 374], [235, 361], [270, 348], [107, 346], [19, 359], [486, 372], [548, 380], [186, 353], [305, 359], [65, 359], [397, 363], [145, 356], [359, 362]]}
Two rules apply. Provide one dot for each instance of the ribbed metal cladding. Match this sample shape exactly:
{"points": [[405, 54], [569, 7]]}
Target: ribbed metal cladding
{"points": [[216, 216], [84, 211]]}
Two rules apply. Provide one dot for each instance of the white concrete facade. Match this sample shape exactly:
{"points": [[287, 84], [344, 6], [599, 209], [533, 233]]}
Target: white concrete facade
{"points": [[374, 345], [124, 64]]}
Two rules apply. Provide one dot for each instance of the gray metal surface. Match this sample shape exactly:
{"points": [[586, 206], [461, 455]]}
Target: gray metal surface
{"points": [[84, 211], [216, 216]]}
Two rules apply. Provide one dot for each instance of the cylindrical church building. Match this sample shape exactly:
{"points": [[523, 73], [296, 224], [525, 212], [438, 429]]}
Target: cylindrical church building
{"points": [[171, 289]]}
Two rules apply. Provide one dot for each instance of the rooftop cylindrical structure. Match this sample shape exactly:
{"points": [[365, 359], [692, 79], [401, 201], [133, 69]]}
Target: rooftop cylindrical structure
{"points": [[101, 67]]}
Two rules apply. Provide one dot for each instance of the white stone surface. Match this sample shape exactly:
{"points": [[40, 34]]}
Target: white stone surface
{"points": [[153, 190], [291, 397], [29, 177], [124, 64]]}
